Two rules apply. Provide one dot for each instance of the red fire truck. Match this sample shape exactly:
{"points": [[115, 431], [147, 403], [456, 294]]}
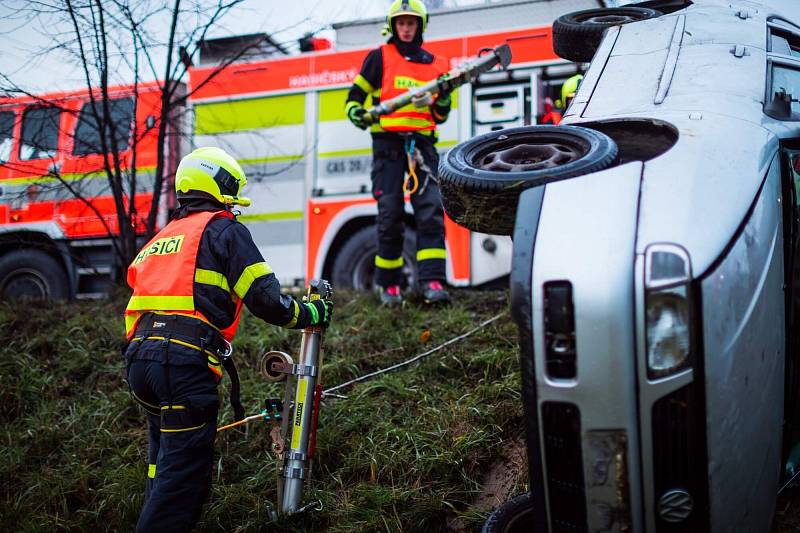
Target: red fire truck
{"points": [[283, 118]]}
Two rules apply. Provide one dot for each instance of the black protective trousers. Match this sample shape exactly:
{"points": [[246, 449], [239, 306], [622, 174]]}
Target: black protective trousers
{"points": [[179, 393], [389, 167]]}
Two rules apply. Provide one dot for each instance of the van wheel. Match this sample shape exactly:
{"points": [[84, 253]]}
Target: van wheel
{"points": [[480, 179], [32, 275], [577, 35], [514, 516], [354, 265]]}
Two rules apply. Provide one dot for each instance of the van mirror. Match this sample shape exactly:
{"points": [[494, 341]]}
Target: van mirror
{"points": [[780, 107]]}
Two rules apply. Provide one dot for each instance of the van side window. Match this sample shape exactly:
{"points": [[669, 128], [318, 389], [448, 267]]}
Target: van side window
{"points": [[6, 130], [92, 120], [786, 81], [39, 133], [784, 43]]}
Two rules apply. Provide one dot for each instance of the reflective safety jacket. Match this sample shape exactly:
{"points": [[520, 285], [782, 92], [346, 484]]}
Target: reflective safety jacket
{"points": [[400, 75], [163, 273]]}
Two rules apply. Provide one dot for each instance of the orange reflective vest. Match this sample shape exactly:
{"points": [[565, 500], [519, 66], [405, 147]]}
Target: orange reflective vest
{"points": [[163, 273], [400, 75]]}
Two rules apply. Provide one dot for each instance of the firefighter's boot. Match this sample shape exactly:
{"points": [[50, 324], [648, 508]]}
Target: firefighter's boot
{"points": [[434, 293], [391, 296]]}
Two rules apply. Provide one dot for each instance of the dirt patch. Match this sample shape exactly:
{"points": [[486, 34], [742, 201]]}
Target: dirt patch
{"points": [[499, 483]]}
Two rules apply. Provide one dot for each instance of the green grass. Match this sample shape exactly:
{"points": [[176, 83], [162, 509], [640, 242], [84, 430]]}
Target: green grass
{"points": [[407, 451]]}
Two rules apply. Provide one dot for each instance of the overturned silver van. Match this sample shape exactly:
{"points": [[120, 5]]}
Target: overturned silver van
{"points": [[655, 272]]}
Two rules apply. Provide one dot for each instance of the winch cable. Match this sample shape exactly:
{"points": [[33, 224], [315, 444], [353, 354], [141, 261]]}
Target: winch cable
{"points": [[329, 392], [413, 359]]}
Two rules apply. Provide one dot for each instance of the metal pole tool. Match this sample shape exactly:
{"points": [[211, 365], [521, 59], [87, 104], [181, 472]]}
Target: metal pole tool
{"points": [[295, 439]]}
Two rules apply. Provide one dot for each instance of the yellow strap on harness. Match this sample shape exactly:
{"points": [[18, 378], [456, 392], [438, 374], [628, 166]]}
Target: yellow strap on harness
{"points": [[412, 176]]}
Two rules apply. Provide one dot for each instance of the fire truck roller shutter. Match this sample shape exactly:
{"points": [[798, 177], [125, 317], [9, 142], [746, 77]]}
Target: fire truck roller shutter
{"points": [[32, 274], [354, 264]]}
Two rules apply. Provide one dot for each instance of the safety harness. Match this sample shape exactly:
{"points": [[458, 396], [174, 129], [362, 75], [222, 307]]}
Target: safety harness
{"points": [[195, 334]]}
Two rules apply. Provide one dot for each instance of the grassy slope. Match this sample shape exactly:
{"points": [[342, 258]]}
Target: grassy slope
{"points": [[408, 451]]}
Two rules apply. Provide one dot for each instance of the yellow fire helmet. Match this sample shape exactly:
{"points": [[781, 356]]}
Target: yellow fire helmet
{"points": [[407, 7], [212, 171], [570, 87]]}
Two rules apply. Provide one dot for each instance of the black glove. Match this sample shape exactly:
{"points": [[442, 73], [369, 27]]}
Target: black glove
{"points": [[356, 115], [321, 312]]}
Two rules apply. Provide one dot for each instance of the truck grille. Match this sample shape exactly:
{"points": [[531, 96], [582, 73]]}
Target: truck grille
{"points": [[678, 468], [562, 450]]}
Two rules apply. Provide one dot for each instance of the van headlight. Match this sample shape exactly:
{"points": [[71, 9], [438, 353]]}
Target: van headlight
{"points": [[667, 309]]}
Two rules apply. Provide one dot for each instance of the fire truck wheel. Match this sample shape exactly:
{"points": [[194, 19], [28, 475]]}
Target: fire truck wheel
{"points": [[577, 35], [480, 179], [514, 516], [354, 265], [32, 274]]}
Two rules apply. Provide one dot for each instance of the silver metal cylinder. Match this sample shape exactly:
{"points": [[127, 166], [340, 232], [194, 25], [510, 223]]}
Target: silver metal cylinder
{"points": [[295, 467]]}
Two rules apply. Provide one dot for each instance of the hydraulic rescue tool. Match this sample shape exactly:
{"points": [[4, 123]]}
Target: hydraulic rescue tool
{"points": [[294, 420], [465, 73]]}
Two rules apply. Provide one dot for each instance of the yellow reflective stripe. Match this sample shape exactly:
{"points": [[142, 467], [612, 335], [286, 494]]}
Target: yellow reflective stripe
{"points": [[209, 277], [151, 471], [166, 303], [249, 275], [130, 321], [293, 321], [431, 253], [182, 429], [167, 407], [380, 262], [362, 83], [249, 114], [410, 122], [349, 105]]}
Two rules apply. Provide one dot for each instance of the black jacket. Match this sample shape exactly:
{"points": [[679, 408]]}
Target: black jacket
{"points": [[228, 248]]}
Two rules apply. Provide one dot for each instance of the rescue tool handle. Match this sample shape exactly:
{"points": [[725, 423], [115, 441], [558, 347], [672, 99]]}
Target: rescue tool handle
{"points": [[486, 60]]}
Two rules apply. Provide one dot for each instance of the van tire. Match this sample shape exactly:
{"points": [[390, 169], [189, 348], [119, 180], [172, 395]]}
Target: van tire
{"points": [[354, 264], [577, 35], [485, 200], [33, 275], [514, 516]]}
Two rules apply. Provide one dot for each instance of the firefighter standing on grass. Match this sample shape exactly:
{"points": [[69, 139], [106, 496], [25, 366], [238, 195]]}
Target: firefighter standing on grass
{"points": [[404, 142], [189, 283]]}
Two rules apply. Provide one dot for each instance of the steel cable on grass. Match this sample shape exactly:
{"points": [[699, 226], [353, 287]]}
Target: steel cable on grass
{"points": [[413, 359]]}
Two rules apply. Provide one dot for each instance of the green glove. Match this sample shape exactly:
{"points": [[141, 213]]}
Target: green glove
{"points": [[445, 89], [321, 312], [356, 114]]}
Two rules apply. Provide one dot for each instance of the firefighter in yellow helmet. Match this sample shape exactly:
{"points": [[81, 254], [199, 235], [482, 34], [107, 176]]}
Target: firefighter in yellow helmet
{"points": [[189, 284], [404, 142], [569, 88]]}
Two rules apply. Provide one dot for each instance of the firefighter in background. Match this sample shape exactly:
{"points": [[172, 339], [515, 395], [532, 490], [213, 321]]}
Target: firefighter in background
{"points": [[189, 283], [404, 142], [568, 90], [551, 115]]}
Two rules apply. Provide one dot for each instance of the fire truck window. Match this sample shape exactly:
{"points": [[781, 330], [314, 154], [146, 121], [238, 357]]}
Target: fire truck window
{"points": [[92, 120], [39, 133], [6, 130]]}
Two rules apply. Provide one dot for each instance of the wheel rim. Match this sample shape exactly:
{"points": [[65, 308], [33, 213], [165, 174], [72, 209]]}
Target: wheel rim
{"points": [[525, 155], [25, 284]]}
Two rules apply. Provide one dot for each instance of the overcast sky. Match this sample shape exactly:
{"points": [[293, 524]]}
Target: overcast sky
{"points": [[22, 39]]}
